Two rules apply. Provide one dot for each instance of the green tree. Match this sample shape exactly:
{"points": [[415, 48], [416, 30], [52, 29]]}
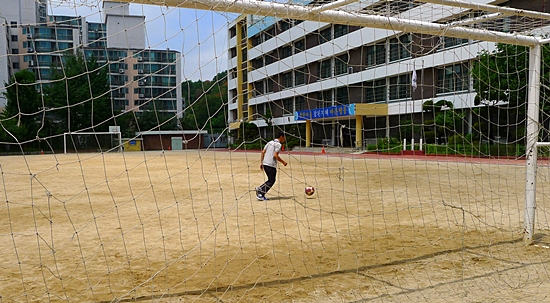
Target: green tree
{"points": [[206, 104], [446, 120], [153, 119], [500, 81], [79, 95], [22, 118]]}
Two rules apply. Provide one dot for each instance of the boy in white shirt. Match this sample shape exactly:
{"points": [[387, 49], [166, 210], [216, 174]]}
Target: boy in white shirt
{"points": [[269, 158]]}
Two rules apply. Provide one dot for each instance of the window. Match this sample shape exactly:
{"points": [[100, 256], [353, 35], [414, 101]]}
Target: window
{"points": [[14, 38], [325, 69], [13, 24], [453, 78], [269, 85], [299, 46], [375, 91], [286, 51], [15, 65], [233, 31], [258, 62], [400, 87], [341, 64], [325, 35], [376, 54], [269, 33], [284, 25], [260, 109], [325, 98], [256, 39], [391, 8], [233, 52], [340, 30], [447, 42], [300, 76], [259, 88], [287, 80], [300, 103], [288, 106], [269, 58], [342, 95], [15, 51], [233, 73], [400, 47]]}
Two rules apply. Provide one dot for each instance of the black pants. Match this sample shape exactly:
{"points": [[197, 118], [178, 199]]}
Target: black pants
{"points": [[271, 173]]}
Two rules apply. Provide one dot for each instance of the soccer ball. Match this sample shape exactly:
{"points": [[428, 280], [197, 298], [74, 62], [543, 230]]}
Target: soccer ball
{"points": [[310, 190]]}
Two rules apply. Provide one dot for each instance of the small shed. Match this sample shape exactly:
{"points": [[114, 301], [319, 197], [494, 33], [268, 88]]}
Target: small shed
{"points": [[172, 139]]}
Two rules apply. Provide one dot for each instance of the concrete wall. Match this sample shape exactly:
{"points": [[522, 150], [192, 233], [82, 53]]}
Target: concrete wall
{"points": [[125, 31], [22, 11]]}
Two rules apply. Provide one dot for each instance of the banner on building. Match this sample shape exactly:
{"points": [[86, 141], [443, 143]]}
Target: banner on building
{"points": [[325, 112]]}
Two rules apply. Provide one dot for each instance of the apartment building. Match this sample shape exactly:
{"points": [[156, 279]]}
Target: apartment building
{"points": [[349, 84], [138, 75]]}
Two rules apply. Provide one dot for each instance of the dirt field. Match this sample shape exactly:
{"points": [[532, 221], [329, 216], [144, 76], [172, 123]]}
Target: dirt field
{"points": [[185, 226]]}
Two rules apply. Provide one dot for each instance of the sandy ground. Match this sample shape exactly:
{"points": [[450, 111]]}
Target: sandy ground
{"points": [[184, 226]]}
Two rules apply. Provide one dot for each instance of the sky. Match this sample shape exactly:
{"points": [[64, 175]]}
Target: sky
{"points": [[200, 36]]}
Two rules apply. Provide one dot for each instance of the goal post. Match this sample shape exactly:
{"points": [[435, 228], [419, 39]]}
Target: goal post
{"points": [[115, 145], [531, 148]]}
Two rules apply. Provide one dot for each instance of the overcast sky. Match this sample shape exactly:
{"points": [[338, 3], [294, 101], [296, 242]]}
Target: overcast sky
{"points": [[200, 36]]}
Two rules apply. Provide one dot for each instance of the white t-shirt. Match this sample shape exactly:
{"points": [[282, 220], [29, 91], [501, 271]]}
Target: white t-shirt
{"points": [[270, 149]]}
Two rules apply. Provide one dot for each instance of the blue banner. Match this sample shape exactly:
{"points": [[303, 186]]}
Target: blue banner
{"points": [[325, 112]]}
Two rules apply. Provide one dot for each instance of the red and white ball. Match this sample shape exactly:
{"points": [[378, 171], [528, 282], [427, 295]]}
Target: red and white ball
{"points": [[309, 190]]}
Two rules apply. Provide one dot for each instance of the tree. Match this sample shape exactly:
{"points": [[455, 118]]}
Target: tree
{"points": [[500, 81], [206, 104], [446, 121], [22, 117], [79, 95]]}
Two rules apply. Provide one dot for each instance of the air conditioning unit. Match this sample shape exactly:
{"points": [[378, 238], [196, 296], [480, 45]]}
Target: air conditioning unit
{"points": [[29, 36], [141, 95], [140, 71], [120, 58], [121, 71], [140, 58], [31, 63], [141, 83], [30, 50], [350, 70]]}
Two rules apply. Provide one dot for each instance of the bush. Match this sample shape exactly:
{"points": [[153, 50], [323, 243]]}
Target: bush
{"points": [[429, 137], [387, 143], [458, 139]]}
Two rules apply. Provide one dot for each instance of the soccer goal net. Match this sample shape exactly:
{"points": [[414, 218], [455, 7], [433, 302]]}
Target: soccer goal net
{"points": [[420, 130]]}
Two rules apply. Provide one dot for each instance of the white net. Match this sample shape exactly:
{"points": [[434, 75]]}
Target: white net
{"points": [[410, 119]]}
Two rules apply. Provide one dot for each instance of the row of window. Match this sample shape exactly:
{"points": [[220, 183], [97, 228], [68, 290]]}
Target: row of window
{"points": [[52, 33], [338, 65], [121, 80], [155, 92], [161, 69], [145, 56], [373, 92], [450, 79], [46, 46]]}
